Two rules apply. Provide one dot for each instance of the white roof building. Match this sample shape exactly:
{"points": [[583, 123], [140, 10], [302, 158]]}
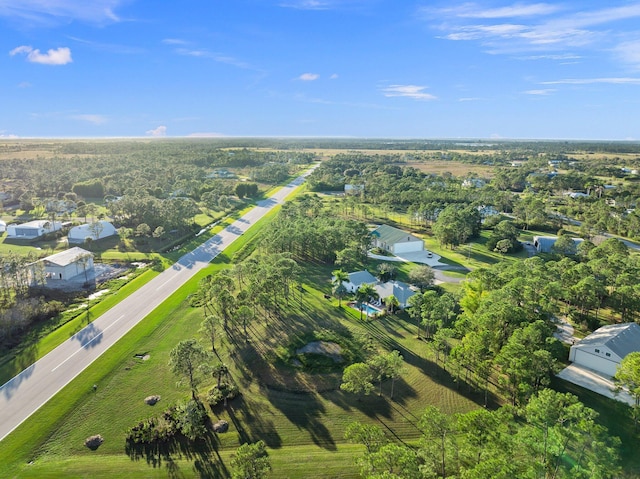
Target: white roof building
{"points": [[95, 231], [32, 229], [3, 226], [604, 349]]}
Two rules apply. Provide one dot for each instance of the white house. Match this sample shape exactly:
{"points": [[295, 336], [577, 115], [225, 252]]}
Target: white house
{"points": [[96, 230], [395, 240], [357, 279], [3, 226], [32, 229], [604, 349], [401, 291], [74, 263]]}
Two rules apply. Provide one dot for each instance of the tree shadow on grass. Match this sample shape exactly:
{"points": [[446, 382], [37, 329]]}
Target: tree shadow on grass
{"points": [[251, 424], [203, 453], [305, 411]]}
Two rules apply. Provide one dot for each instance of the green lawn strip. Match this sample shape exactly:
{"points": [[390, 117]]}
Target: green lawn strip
{"points": [[295, 462]]}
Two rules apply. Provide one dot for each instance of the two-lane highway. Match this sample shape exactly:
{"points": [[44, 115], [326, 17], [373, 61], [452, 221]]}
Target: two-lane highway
{"points": [[28, 391]]}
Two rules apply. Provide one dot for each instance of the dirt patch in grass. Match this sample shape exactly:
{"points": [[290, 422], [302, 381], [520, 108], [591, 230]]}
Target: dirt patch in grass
{"points": [[327, 348]]}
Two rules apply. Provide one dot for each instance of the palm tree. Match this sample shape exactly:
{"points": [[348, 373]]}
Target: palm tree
{"points": [[392, 303], [340, 277], [364, 294]]}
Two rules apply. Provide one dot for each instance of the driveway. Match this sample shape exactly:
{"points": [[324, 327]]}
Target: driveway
{"points": [[595, 382], [428, 258]]}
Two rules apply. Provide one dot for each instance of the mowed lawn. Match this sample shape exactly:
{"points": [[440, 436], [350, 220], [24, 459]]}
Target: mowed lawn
{"points": [[301, 417]]}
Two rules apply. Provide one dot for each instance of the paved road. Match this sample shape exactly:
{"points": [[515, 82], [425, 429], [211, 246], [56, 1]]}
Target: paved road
{"points": [[27, 392]]}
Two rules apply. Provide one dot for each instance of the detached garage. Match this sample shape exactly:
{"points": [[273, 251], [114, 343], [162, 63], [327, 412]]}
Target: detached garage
{"points": [[604, 349], [396, 241]]}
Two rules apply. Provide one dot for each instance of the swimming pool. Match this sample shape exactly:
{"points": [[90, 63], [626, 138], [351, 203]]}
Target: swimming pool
{"points": [[368, 309]]}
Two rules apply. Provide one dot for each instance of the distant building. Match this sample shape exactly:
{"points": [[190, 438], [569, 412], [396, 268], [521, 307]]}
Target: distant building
{"points": [[3, 226], [395, 240], [544, 244], [32, 229], [94, 231], [604, 349]]}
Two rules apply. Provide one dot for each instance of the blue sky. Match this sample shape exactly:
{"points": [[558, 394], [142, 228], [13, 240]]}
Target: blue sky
{"points": [[344, 68]]}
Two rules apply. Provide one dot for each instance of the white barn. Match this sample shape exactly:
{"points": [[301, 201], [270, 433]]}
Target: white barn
{"points": [[604, 349], [74, 263], [32, 229], [395, 240], [95, 231]]}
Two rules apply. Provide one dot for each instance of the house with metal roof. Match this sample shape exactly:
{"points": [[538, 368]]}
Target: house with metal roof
{"points": [[395, 240], [604, 349]]}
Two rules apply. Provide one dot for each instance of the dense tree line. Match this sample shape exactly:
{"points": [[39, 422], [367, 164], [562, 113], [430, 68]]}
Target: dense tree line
{"points": [[552, 436], [307, 232]]}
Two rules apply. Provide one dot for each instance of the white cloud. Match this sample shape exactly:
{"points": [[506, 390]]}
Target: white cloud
{"points": [[95, 119], [629, 52], [24, 84], [57, 56], [511, 11], [53, 12], [540, 27], [542, 92], [333, 76], [175, 41], [213, 56], [410, 91], [157, 132], [591, 81], [308, 4], [469, 99], [308, 77]]}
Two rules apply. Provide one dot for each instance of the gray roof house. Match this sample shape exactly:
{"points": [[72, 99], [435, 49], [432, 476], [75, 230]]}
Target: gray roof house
{"points": [[358, 278], [604, 349], [395, 240], [401, 291]]}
